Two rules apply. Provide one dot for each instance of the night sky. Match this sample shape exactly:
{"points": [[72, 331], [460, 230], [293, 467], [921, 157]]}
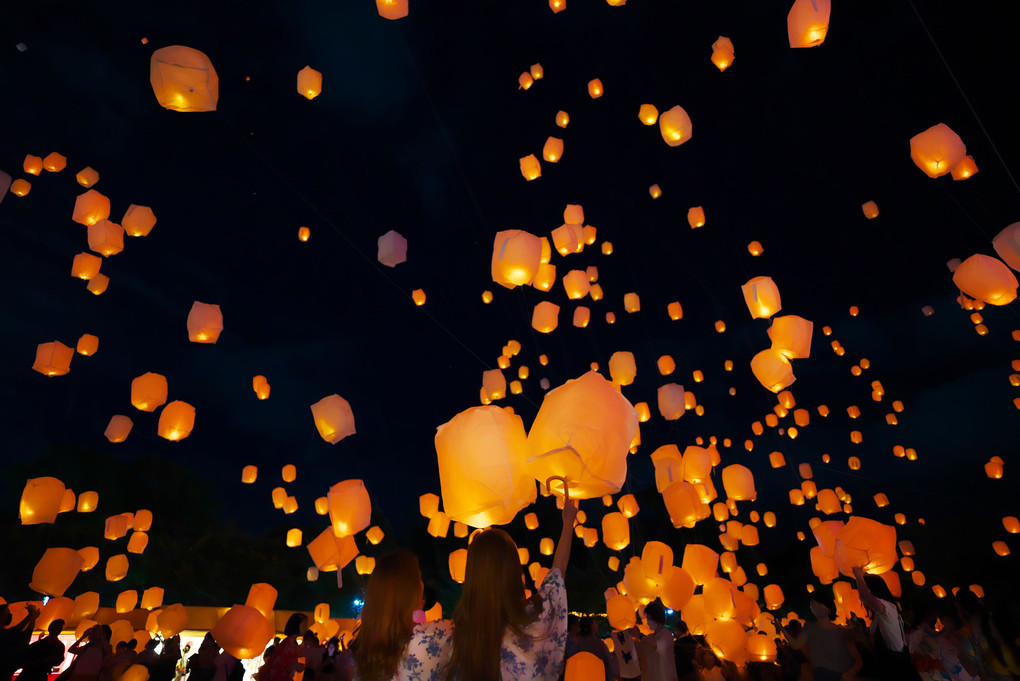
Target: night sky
{"points": [[419, 128]]}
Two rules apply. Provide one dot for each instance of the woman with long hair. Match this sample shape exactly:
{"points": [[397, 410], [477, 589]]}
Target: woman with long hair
{"points": [[498, 633], [390, 644], [288, 659]]}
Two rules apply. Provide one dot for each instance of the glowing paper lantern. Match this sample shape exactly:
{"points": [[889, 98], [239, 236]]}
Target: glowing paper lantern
{"points": [[870, 209], [516, 257], [615, 531], [531, 169], [481, 454], [987, 279], [700, 562], [364, 565], [86, 266], [727, 639], [1007, 245], [148, 391], [584, 666], [620, 612], [243, 632], [126, 601], [937, 150], [261, 387], [137, 543], [205, 322], [545, 317], [21, 187], [738, 481], [575, 283], [595, 89], [552, 151], [696, 217], [762, 297], [868, 544], [41, 500], [583, 432], [773, 370], [761, 648], [183, 79], [249, 474], [330, 553], [116, 567], [172, 620], [90, 208], [333, 418], [392, 9], [85, 605], [53, 359], [648, 114], [350, 508], [176, 421], [138, 220], [88, 501], [392, 249], [628, 505], [152, 598], [671, 401], [722, 53], [808, 22], [675, 126], [33, 165], [791, 335], [55, 571], [90, 556], [622, 367], [106, 238], [682, 503], [309, 83]]}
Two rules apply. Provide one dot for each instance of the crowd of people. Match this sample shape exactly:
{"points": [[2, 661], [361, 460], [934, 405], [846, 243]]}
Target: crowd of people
{"points": [[500, 632]]}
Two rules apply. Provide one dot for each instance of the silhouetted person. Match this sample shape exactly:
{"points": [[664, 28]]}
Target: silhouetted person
{"points": [[92, 651], [14, 640], [43, 655]]}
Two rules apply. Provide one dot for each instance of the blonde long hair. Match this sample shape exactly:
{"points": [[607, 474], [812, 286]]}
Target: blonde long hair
{"points": [[394, 592], [492, 602]]}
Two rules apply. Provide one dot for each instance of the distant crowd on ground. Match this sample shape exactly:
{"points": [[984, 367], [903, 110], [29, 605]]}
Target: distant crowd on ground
{"points": [[500, 632]]}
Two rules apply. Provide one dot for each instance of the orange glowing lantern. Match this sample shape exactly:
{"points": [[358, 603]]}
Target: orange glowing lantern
{"points": [[205, 322], [53, 359], [675, 126], [808, 22], [183, 79], [309, 82], [176, 421], [334, 418], [350, 508]]}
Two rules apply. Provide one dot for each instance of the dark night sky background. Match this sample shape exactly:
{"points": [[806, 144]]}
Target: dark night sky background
{"points": [[419, 128]]}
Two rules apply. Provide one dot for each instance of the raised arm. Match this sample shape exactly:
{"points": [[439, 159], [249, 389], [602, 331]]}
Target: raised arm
{"points": [[562, 555], [868, 598]]}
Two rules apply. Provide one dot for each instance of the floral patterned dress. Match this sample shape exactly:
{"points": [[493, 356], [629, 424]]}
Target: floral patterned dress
{"points": [[538, 655], [427, 653]]}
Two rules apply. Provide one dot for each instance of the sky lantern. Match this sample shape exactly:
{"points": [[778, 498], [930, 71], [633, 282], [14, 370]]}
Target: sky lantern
{"points": [[516, 256], [552, 151], [481, 454], [138, 220], [762, 297], [576, 284], [176, 421], [531, 169], [309, 82], [1007, 245], [86, 266], [418, 296], [868, 544], [148, 391], [249, 474], [1011, 524], [675, 126], [41, 500], [870, 209], [90, 208], [330, 553], [791, 335], [718, 594], [392, 249], [668, 466], [89, 554], [116, 567], [152, 597], [33, 165], [823, 566], [458, 565], [648, 114], [700, 562], [727, 639], [172, 620], [243, 632], [595, 89], [392, 9], [722, 53], [583, 432], [773, 370], [333, 418], [620, 611], [965, 169], [631, 302], [628, 505], [86, 605], [55, 571], [615, 531], [545, 317], [1000, 548], [682, 503], [350, 509], [88, 502], [622, 367], [696, 217], [138, 542], [97, 285], [53, 359], [537, 72], [439, 525], [761, 648], [568, 238], [20, 187], [697, 464], [106, 238], [584, 666], [126, 601], [428, 504], [987, 279], [183, 79], [937, 150], [808, 22], [531, 521], [738, 481], [205, 322], [364, 565], [88, 344], [655, 191], [261, 387], [671, 401], [582, 316]]}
